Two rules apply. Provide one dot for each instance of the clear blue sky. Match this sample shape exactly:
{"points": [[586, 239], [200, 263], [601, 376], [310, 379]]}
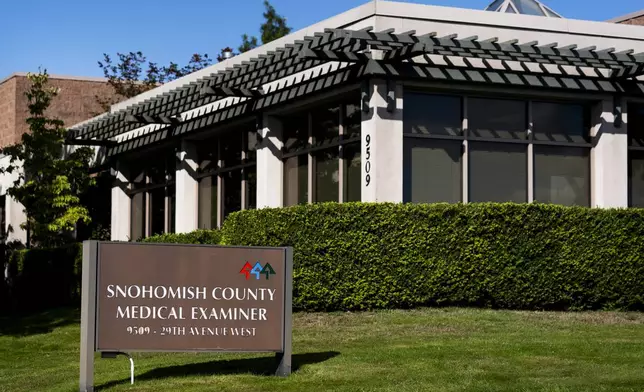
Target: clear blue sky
{"points": [[68, 37]]}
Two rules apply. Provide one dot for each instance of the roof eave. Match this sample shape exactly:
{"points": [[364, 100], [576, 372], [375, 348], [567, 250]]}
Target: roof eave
{"points": [[626, 17]]}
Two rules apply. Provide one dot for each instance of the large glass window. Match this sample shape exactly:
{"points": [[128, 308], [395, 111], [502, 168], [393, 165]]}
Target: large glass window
{"points": [[352, 172], [325, 125], [636, 154], [497, 118], [296, 141], [152, 193], [498, 172], [138, 216], [296, 132], [433, 171], [250, 174], [561, 153], [636, 169], [560, 122], [562, 175], [427, 114], [322, 154], [327, 175], [158, 208], [208, 205], [499, 146], [232, 191], [350, 150], [227, 181], [296, 174]]}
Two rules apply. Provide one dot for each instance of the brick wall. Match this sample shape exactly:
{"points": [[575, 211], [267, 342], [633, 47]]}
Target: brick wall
{"points": [[75, 102], [639, 21], [7, 111]]}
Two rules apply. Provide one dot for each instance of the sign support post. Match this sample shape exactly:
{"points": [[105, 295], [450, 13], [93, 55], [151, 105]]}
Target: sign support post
{"points": [[284, 358], [88, 316]]}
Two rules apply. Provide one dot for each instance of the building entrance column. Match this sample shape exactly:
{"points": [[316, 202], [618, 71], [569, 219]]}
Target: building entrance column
{"points": [[121, 204], [270, 168], [382, 141], [609, 156], [187, 189]]}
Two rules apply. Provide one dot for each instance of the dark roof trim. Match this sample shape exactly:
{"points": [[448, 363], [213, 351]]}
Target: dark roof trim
{"points": [[304, 88], [404, 71], [254, 73], [358, 46]]}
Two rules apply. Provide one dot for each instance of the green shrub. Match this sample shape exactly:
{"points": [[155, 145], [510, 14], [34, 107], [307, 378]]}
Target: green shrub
{"points": [[211, 237], [518, 256], [44, 278]]}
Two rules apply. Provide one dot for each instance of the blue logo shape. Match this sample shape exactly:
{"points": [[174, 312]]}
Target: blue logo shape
{"points": [[257, 269]]}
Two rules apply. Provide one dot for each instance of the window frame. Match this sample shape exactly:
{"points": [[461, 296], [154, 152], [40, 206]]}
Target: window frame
{"points": [[529, 141], [632, 147], [148, 187], [310, 150], [217, 173]]}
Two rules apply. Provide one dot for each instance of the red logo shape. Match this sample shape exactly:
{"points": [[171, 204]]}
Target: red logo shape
{"points": [[246, 270]]}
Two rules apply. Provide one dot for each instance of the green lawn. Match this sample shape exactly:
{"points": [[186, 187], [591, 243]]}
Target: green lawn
{"points": [[420, 350]]}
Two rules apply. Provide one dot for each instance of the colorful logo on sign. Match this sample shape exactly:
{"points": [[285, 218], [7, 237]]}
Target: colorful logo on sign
{"points": [[257, 270]]}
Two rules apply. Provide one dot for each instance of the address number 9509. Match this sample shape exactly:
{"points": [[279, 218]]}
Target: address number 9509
{"points": [[367, 164]]}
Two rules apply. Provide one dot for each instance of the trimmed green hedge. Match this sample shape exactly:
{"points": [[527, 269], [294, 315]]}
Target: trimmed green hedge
{"points": [[44, 278], [357, 256], [518, 256], [212, 237]]}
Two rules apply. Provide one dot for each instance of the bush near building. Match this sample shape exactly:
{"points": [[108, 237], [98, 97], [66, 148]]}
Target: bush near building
{"points": [[210, 237], [518, 256], [39, 279], [358, 256]]}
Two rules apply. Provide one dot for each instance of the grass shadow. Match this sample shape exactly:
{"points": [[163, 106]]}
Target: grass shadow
{"points": [[262, 366], [38, 322]]}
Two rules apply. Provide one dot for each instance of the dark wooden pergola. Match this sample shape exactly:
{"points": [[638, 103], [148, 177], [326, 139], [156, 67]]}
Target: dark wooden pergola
{"points": [[360, 55]]}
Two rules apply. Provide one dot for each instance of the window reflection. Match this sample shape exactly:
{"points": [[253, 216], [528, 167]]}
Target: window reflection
{"points": [[324, 155], [432, 171], [327, 175], [427, 114], [296, 180], [559, 122], [224, 174], [635, 156], [562, 175], [497, 118], [353, 172], [498, 172]]}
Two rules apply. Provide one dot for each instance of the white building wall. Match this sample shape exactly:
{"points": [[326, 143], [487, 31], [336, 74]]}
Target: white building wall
{"points": [[14, 211], [609, 158], [187, 202], [270, 168], [609, 165], [382, 145], [120, 217], [15, 216]]}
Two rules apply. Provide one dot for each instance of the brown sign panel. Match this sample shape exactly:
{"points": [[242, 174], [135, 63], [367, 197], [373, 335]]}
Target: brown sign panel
{"points": [[166, 297]]}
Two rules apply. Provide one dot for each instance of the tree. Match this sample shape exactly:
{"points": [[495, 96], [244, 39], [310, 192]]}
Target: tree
{"points": [[132, 74], [248, 43], [49, 180], [128, 78], [274, 27]]}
